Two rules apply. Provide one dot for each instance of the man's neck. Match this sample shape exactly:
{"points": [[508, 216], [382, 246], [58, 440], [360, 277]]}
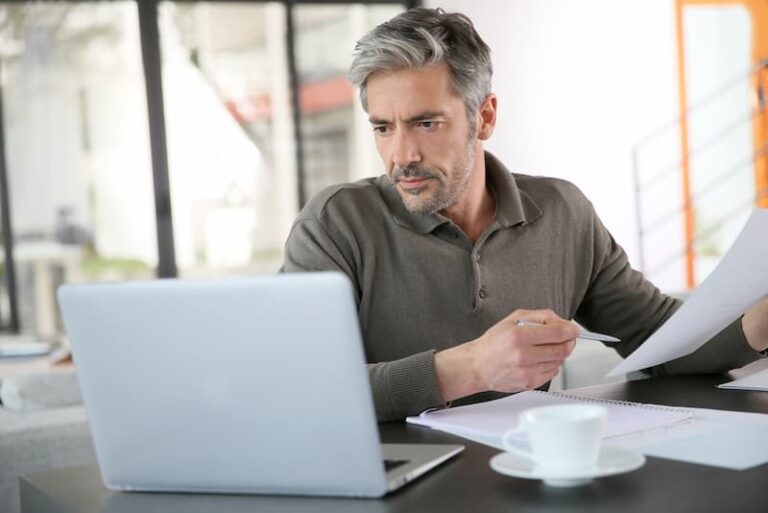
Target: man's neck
{"points": [[476, 210]]}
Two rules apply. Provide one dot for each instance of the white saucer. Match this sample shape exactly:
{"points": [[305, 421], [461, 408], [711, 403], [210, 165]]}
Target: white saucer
{"points": [[612, 460]]}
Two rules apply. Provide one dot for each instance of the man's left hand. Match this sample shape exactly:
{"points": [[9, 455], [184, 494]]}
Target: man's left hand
{"points": [[755, 325]]}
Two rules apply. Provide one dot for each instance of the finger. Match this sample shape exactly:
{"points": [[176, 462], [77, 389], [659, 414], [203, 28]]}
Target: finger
{"points": [[536, 375], [540, 316], [547, 318], [546, 368], [553, 333], [547, 375], [544, 353]]}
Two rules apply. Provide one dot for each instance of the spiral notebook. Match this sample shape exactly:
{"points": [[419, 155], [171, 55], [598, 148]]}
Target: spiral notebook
{"points": [[491, 419]]}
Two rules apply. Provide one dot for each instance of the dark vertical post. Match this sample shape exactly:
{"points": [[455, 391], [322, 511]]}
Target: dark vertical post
{"points": [[295, 102], [150, 52], [5, 212]]}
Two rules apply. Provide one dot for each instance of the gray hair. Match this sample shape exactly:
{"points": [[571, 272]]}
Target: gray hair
{"points": [[423, 37]]}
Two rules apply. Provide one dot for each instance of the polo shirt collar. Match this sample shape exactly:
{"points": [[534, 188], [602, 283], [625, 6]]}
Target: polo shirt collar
{"points": [[513, 207]]}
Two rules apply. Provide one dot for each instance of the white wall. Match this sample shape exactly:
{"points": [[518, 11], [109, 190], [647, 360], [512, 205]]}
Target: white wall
{"points": [[579, 84]]}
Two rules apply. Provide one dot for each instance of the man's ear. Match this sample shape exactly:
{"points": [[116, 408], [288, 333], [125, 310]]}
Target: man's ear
{"points": [[487, 117]]}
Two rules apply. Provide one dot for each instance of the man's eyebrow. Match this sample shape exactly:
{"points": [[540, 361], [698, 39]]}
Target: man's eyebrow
{"points": [[421, 116], [426, 115], [377, 121]]}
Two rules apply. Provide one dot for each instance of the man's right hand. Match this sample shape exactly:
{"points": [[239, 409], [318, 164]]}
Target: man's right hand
{"points": [[508, 357]]}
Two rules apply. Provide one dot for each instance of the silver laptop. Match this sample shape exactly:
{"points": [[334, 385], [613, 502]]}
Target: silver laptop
{"points": [[254, 385]]}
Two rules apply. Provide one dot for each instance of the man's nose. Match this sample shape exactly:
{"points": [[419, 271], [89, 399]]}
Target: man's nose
{"points": [[405, 151]]}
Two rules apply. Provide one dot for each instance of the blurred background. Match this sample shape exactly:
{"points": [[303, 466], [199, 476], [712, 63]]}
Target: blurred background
{"points": [[143, 139]]}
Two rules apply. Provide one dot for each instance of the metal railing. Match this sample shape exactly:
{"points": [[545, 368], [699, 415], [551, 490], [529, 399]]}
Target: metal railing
{"points": [[661, 217]]}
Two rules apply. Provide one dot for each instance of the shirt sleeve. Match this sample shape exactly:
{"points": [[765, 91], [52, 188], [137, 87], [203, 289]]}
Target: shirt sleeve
{"points": [[620, 301], [725, 351], [404, 387], [401, 387]]}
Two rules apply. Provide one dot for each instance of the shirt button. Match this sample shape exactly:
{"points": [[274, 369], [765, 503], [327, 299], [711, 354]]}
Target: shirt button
{"points": [[483, 293], [477, 257]]}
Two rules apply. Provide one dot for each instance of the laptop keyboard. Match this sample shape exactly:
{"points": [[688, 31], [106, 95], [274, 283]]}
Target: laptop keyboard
{"points": [[393, 464]]}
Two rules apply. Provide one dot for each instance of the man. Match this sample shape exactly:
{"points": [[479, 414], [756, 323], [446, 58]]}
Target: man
{"points": [[449, 249]]}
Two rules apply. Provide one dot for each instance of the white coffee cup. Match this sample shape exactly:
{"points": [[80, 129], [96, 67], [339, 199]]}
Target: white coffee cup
{"points": [[561, 437]]}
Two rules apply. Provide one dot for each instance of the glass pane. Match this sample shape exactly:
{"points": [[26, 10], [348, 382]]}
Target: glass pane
{"points": [[338, 145], [76, 137], [718, 48], [230, 135]]}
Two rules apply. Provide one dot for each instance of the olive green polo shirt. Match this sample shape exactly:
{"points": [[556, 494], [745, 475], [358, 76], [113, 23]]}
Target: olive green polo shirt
{"points": [[422, 286]]}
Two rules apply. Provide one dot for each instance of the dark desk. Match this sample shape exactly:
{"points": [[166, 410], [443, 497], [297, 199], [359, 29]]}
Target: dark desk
{"points": [[467, 483]]}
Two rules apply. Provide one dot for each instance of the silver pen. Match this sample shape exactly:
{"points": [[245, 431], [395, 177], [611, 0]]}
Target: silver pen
{"points": [[588, 335]]}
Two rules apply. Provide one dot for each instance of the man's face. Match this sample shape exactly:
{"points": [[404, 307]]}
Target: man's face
{"points": [[423, 135]]}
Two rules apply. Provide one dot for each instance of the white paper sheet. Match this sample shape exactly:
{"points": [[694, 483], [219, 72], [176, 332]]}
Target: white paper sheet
{"points": [[757, 381], [727, 439], [738, 282]]}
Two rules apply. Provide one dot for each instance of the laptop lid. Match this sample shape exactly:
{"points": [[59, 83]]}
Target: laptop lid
{"points": [[253, 385]]}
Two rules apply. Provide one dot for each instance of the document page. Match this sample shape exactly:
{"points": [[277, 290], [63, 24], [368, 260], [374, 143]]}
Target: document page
{"points": [[738, 282], [757, 381]]}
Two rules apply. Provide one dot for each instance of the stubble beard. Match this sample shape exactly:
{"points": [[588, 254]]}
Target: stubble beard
{"points": [[448, 188]]}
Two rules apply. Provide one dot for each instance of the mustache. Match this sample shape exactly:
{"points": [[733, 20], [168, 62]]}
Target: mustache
{"points": [[398, 173]]}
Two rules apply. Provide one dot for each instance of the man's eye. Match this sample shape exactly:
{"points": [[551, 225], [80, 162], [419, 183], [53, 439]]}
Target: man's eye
{"points": [[380, 129], [428, 124]]}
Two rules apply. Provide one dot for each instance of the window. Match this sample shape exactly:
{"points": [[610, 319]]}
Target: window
{"points": [[338, 145], [85, 156], [230, 139], [77, 150]]}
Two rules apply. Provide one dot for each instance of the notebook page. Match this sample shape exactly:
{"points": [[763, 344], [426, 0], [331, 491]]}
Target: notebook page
{"points": [[494, 418]]}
